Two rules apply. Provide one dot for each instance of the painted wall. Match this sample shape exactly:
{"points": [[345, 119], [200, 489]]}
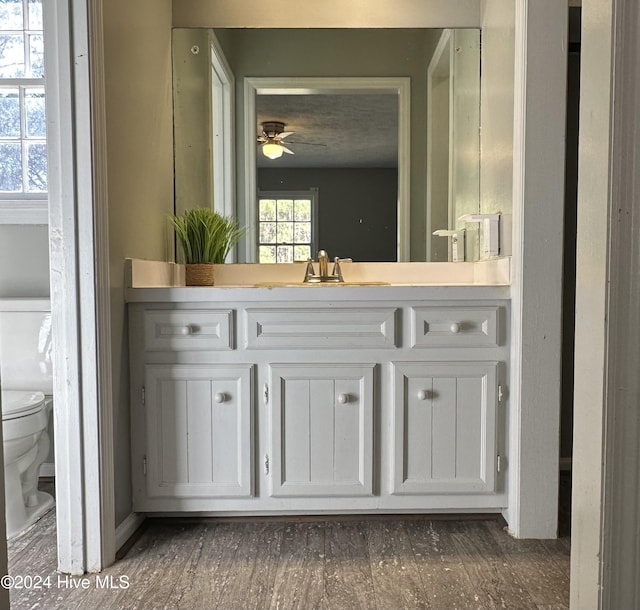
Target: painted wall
{"points": [[192, 119], [140, 177], [328, 14], [496, 107], [24, 261], [357, 208]]}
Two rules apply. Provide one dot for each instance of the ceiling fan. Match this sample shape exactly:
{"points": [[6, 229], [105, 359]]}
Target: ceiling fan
{"points": [[271, 139]]}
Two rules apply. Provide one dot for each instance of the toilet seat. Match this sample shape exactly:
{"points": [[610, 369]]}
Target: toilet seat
{"points": [[17, 404]]}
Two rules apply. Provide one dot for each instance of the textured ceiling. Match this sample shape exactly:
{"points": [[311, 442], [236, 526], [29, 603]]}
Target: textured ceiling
{"points": [[355, 130]]}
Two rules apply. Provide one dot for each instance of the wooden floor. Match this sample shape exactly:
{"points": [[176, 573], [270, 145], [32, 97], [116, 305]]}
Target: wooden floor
{"points": [[378, 563]]}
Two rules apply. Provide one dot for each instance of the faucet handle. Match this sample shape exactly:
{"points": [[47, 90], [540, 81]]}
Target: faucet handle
{"points": [[337, 271], [309, 273]]}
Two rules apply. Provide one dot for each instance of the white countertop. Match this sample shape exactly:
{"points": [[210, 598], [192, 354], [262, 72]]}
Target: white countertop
{"points": [[154, 281]]}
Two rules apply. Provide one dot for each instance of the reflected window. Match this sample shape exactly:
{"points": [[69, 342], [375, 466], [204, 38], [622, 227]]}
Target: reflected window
{"points": [[23, 145], [286, 226]]}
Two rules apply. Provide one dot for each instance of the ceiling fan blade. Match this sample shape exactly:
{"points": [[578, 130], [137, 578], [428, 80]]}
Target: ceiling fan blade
{"points": [[285, 134], [287, 150], [306, 143], [262, 139]]}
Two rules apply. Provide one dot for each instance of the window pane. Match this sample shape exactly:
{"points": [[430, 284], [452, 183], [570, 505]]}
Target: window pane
{"points": [[11, 56], [37, 170], [11, 16], [10, 167], [285, 254], [302, 232], [267, 209], [267, 254], [35, 15], [302, 209], [36, 44], [268, 232], [34, 105], [285, 209], [9, 113], [285, 233], [301, 253]]}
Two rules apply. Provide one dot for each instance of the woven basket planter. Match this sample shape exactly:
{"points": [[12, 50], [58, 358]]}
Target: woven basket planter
{"points": [[199, 274]]}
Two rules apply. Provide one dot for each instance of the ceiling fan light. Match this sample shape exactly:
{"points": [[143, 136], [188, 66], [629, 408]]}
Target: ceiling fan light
{"points": [[272, 150]]}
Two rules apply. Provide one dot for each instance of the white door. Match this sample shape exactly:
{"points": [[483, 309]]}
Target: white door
{"points": [[444, 427], [322, 429]]}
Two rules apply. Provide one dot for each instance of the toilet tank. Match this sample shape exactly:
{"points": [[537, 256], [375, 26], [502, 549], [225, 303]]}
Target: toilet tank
{"points": [[25, 345]]}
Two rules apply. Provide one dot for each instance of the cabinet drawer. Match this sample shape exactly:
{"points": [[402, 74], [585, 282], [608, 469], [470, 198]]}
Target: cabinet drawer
{"points": [[314, 328], [177, 329], [454, 326]]}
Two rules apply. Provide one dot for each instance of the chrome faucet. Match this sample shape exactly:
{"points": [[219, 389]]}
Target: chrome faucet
{"points": [[323, 270]]}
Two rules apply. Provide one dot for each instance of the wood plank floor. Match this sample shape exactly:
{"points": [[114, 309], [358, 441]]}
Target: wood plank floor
{"points": [[353, 562]]}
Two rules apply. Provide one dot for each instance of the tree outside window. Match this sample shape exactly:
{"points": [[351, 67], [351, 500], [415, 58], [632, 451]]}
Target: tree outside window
{"points": [[23, 146], [286, 226]]}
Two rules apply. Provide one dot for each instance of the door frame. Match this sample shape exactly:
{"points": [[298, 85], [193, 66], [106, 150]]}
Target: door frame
{"points": [[401, 86], [80, 303]]}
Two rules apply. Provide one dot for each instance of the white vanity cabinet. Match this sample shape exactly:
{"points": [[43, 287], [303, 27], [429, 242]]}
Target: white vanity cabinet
{"points": [[198, 430], [267, 401], [444, 427], [322, 429]]}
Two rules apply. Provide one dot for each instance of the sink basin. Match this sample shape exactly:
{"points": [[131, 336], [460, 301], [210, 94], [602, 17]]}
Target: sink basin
{"points": [[309, 284]]}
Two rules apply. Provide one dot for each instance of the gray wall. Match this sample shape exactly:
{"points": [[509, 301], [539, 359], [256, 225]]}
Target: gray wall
{"points": [[137, 45], [24, 261], [345, 52], [357, 208]]}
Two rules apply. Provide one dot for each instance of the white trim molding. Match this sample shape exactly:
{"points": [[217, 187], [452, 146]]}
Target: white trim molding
{"points": [[128, 528], [24, 212], [322, 85], [223, 125], [538, 211], [605, 553], [79, 286]]}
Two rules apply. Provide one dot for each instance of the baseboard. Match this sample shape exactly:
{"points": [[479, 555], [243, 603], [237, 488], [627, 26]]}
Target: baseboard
{"points": [[127, 528], [48, 469], [565, 464]]}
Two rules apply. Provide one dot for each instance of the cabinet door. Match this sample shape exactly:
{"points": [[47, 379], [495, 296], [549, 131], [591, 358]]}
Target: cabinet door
{"points": [[322, 429], [198, 420], [444, 427]]}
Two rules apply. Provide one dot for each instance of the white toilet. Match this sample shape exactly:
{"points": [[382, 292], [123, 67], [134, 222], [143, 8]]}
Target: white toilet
{"points": [[26, 380]]}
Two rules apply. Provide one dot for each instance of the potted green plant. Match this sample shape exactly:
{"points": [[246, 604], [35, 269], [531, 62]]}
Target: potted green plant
{"points": [[206, 238]]}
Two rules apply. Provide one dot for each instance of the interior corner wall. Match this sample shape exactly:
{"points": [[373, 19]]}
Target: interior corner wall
{"points": [[137, 52], [28, 244]]}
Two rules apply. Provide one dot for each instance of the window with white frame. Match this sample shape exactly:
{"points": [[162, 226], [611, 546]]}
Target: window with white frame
{"points": [[23, 144], [287, 224]]}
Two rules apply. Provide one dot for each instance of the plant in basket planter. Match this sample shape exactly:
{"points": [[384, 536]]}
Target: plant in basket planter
{"points": [[206, 238]]}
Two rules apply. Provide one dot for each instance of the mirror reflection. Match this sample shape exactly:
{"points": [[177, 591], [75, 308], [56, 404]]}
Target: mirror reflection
{"points": [[360, 195]]}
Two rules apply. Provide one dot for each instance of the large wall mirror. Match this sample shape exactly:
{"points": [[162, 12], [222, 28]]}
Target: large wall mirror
{"points": [[385, 142]]}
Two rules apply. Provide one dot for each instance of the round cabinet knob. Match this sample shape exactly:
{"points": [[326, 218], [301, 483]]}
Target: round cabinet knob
{"points": [[343, 399], [219, 397], [423, 395], [185, 330], [455, 327]]}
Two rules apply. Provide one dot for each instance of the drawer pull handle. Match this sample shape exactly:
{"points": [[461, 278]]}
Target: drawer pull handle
{"points": [[454, 328], [220, 397], [343, 399], [423, 394], [185, 330]]}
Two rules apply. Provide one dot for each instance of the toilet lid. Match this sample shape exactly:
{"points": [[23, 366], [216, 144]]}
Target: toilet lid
{"points": [[20, 404]]}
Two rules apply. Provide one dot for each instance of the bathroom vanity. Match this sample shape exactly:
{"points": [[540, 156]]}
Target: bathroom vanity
{"points": [[278, 397]]}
